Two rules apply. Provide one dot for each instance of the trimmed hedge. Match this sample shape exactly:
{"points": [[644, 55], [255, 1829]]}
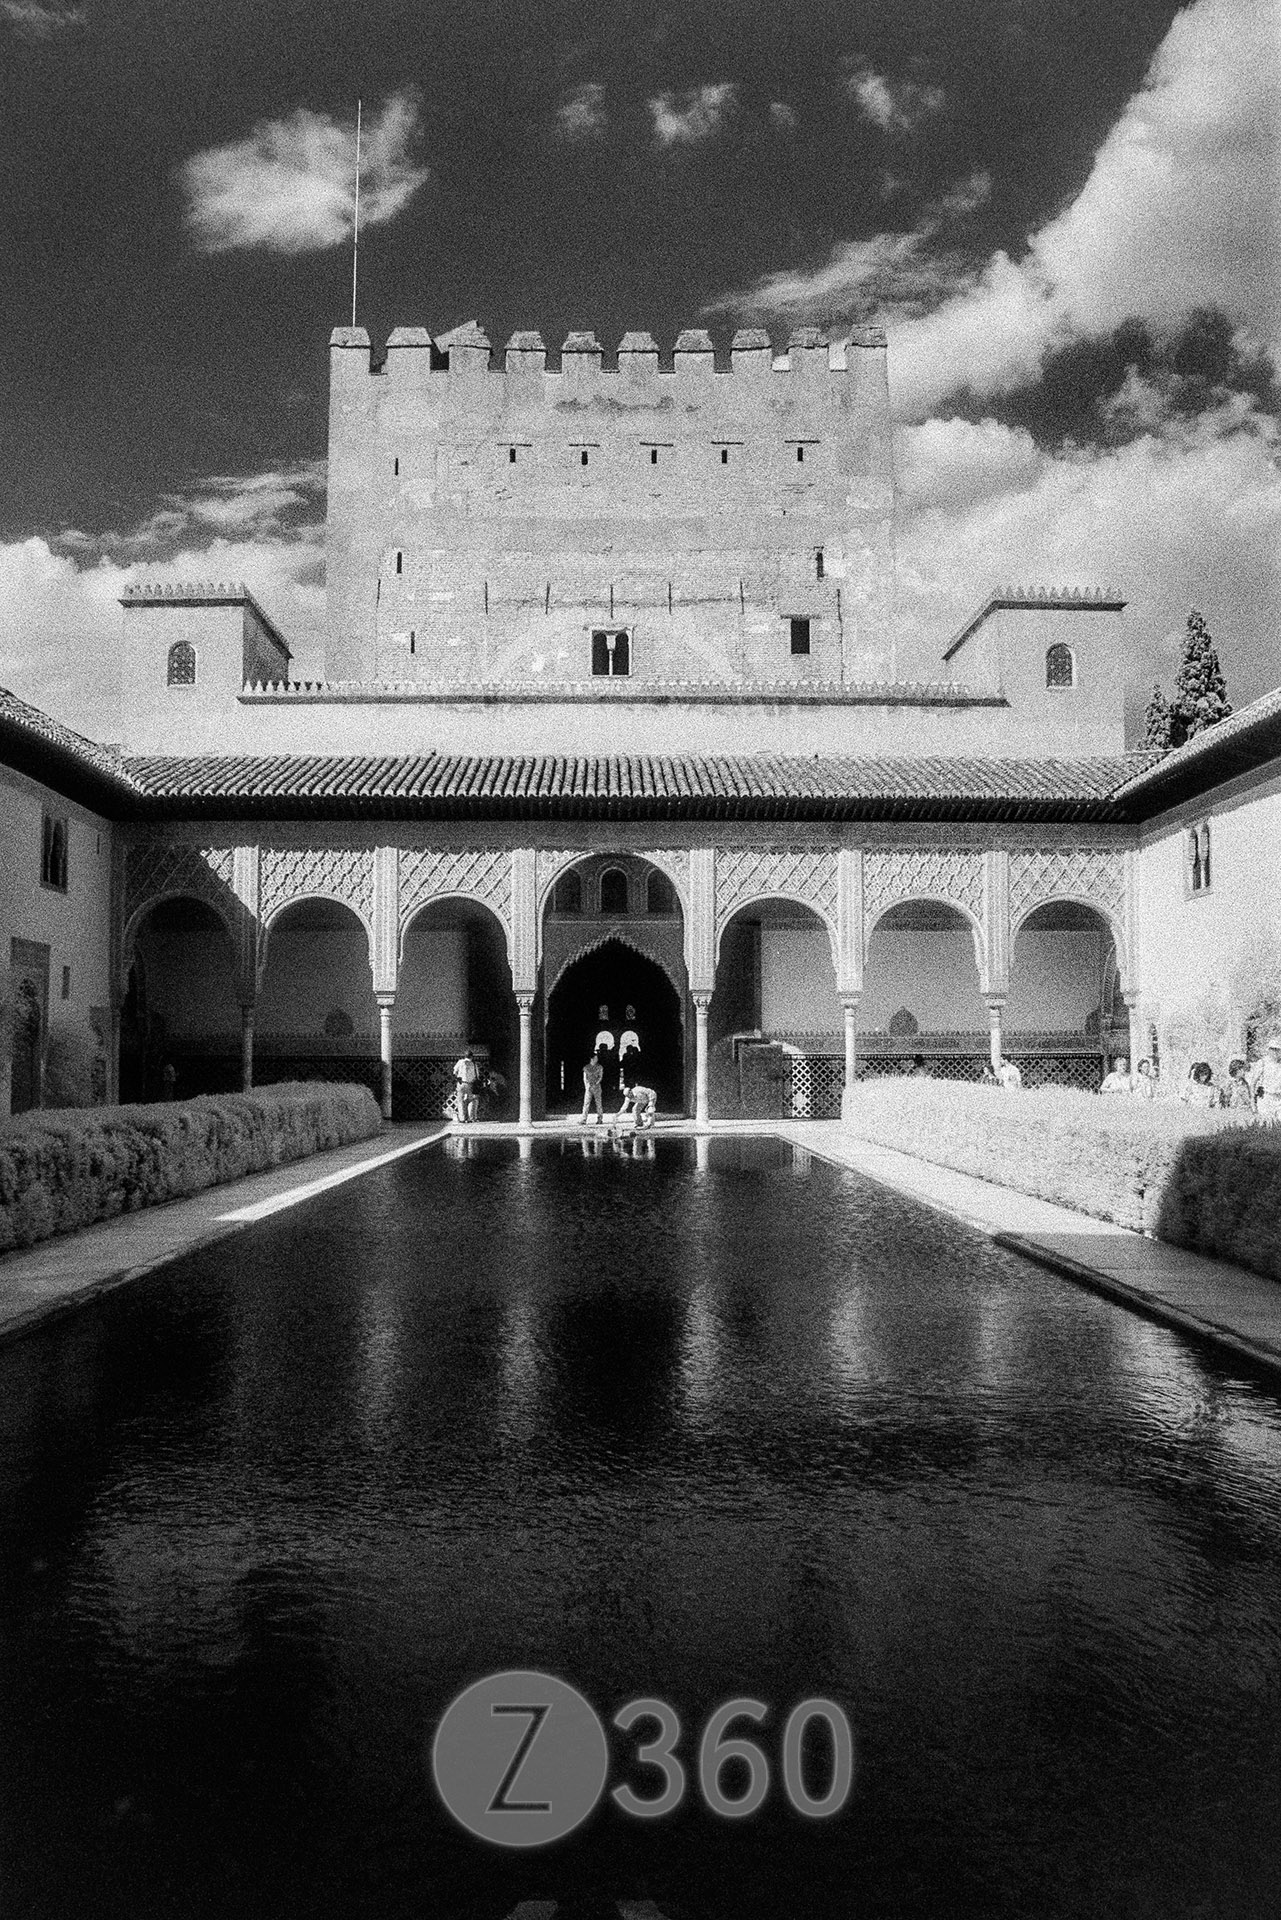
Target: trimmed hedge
{"points": [[67, 1168], [1198, 1179]]}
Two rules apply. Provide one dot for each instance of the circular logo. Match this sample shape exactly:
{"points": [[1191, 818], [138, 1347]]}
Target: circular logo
{"points": [[520, 1759]]}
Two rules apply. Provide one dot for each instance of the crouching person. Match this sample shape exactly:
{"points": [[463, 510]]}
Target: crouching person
{"points": [[644, 1106]]}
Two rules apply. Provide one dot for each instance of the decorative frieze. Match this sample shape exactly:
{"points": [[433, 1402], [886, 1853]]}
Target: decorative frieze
{"points": [[1094, 876], [345, 874], [892, 875], [744, 874], [483, 874], [156, 870]]}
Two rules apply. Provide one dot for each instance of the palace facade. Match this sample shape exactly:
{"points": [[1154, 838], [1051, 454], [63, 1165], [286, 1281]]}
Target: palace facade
{"points": [[611, 716]]}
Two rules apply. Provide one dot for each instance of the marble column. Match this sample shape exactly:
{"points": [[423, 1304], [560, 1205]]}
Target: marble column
{"points": [[995, 1007], [849, 1006], [702, 1002], [386, 1001], [246, 1046], [525, 1004], [1137, 1048]]}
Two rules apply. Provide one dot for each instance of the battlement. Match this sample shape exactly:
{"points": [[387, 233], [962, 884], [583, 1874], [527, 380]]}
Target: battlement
{"points": [[1037, 600], [468, 349]]}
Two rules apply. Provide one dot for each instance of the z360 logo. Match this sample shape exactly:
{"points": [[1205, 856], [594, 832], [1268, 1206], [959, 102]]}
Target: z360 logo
{"points": [[522, 1758]]}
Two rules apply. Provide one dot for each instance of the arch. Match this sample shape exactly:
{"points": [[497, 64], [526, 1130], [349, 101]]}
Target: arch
{"points": [[181, 666], [567, 892], [1060, 665], [780, 899], [454, 897], [317, 898], [182, 992], [923, 899], [1069, 980], [623, 938], [621, 971], [615, 891], [137, 919], [1114, 925]]}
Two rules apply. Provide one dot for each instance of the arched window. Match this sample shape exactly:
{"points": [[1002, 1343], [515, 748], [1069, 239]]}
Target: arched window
{"points": [[904, 1023], [1059, 665], [182, 664], [659, 894], [568, 897], [1198, 844], [613, 891]]}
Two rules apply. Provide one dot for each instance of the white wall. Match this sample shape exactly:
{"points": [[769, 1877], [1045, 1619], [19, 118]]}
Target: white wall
{"points": [[432, 995], [798, 981], [74, 925], [1192, 946], [934, 975], [308, 975], [1056, 981]]}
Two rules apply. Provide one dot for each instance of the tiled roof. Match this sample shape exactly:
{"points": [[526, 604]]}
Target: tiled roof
{"points": [[755, 787], [37, 744], [1246, 739]]}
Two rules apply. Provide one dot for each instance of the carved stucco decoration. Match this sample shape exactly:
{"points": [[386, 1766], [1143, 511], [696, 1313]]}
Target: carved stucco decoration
{"points": [[674, 862], [552, 862], [157, 870], [744, 874], [896, 874], [1092, 875], [345, 874], [480, 873]]}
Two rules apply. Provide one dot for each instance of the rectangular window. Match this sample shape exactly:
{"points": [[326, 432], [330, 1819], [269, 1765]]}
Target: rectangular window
{"points": [[818, 564], [611, 653], [1197, 848], [800, 636], [511, 456], [400, 561], [800, 453], [653, 456], [53, 852], [724, 456], [395, 466]]}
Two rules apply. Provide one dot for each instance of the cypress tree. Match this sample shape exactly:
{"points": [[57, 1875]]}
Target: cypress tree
{"points": [[1200, 692], [1156, 721]]}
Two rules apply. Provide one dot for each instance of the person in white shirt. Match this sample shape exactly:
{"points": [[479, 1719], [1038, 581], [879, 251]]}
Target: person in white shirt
{"points": [[466, 1080], [1009, 1076], [1118, 1081], [1199, 1090], [1267, 1093]]}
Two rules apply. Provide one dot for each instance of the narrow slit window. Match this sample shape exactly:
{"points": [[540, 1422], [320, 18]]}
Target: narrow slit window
{"points": [[800, 454], [724, 456], [800, 631], [395, 466], [511, 456], [53, 852], [400, 561], [653, 456], [413, 640], [818, 564], [582, 458]]}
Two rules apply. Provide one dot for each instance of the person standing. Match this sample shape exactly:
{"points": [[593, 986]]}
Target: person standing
{"points": [[466, 1079], [1267, 1097], [1238, 1095], [603, 1044], [1009, 1076], [1118, 1081], [1145, 1082], [593, 1078], [629, 1057]]}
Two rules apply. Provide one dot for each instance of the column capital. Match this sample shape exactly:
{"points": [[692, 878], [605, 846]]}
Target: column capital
{"points": [[525, 1002], [995, 1002], [702, 1000], [850, 1000], [386, 998]]}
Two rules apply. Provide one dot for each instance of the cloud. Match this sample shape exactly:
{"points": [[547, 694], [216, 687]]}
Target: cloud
{"points": [[59, 617], [782, 116], [684, 119], [894, 106], [31, 21], [581, 114], [1175, 216], [288, 186], [909, 271], [1188, 513]]}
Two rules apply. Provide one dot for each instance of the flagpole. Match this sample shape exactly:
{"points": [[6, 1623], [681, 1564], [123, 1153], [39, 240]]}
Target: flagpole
{"points": [[355, 225]]}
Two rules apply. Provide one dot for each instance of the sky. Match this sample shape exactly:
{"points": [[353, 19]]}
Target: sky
{"points": [[1067, 214]]}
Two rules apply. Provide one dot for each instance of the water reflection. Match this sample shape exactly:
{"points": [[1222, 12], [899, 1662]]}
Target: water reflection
{"points": [[688, 1418]]}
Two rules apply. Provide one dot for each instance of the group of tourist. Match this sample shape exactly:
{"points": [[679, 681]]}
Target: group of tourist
{"points": [[474, 1081], [616, 1064], [1252, 1089]]}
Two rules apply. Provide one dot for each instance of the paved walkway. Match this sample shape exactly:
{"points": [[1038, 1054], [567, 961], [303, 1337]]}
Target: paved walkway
{"points": [[40, 1282], [1238, 1311], [1235, 1309]]}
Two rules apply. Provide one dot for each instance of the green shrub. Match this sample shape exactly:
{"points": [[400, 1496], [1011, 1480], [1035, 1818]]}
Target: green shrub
{"points": [[70, 1053], [64, 1169], [1198, 1179]]}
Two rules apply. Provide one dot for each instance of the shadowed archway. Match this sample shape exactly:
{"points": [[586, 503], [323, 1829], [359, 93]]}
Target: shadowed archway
{"points": [[615, 975]]}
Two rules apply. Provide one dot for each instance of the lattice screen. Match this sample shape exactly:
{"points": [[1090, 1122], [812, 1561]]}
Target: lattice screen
{"points": [[422, 1088], [815, 1084]]}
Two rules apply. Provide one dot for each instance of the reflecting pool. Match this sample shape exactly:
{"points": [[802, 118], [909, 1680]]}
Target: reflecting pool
{"points": [[701, 1421]]}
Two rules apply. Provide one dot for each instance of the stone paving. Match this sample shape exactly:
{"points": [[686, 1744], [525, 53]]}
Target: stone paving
{"points": [[1237, 1311]]}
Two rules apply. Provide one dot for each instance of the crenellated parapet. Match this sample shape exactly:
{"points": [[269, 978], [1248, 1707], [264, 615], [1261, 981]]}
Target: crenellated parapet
{"points": [[467, 349]]}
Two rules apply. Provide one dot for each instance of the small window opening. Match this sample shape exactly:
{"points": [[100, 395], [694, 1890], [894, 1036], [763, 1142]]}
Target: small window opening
{"points": [[800, 636], [395, 466], [1058, 665], [511, 456], [413, 639], [53, 852], [800, 453], [611, 654], [182, 664], [400, 561], [582, 458], [1198, 859], [724, 456], [613, 891], [818, 564], [653, 456]]}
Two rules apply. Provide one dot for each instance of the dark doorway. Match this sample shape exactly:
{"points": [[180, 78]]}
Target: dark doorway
{"points": [[616, 976]]}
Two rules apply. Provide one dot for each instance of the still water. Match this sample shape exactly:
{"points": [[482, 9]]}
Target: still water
{"points": [[716, 1422]]}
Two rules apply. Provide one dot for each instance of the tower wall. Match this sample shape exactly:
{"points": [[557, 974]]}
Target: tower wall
{"points": [[485, 519]]}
